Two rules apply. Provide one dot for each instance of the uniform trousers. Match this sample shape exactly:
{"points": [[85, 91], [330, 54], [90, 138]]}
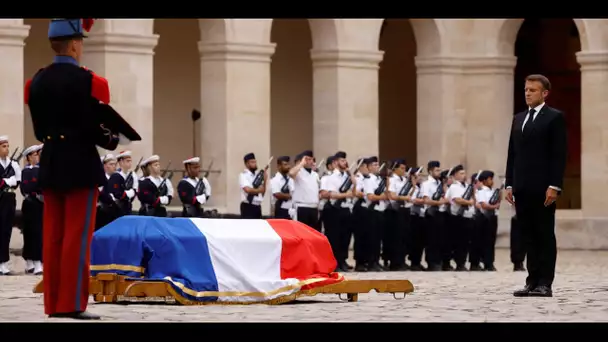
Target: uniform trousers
{"points": [[460, 232], [32, 211], [250, 211], [436, 236], [419, 238], [309, 216], [68, 225], [8, 203], [362, 231], [393, 241], [518, 250], [159, 211], [106, 213], [281, 213], [338, 230], [476, 238], [406, 241], [489, 240], [377, 223]]}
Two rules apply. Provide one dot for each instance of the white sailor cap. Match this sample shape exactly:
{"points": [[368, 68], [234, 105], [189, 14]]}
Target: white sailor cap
{"points": [[31, 149], [3, 139], [192, 160], [41, 146], [152, 159], [123, 154], [108, 157]]}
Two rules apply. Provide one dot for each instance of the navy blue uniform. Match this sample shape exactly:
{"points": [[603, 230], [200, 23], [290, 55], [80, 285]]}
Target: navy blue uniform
{"points": [[150, 195], [118, 187], [32, 210]]}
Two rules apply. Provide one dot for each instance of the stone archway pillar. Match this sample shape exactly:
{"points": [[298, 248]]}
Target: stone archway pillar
{"points": [[12, 86], [345, 105], [465, 109], [594, 125], [235, 109], [127, 61]]}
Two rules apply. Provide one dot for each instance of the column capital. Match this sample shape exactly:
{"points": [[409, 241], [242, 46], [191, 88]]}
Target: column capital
{"points": [[592, 60], [356, 59], [136, 44], [469, 65], [236, 51], [13, 35]]}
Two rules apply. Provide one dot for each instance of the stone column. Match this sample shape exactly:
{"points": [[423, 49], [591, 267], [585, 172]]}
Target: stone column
{"points": [[235, 108], [594, 127], [345, 102], [465, 109], [12, 35], [126, 60]]}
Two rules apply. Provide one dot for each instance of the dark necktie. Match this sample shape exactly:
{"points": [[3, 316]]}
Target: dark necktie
{"points": [[530, 122]]}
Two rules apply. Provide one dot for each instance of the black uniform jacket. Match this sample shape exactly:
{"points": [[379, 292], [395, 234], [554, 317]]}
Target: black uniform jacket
{"points": [[64, 101], [29, 181], [537, 159]]}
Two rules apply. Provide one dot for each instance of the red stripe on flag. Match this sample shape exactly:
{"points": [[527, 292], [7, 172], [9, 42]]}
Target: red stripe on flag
{"points": [[305, 253]]}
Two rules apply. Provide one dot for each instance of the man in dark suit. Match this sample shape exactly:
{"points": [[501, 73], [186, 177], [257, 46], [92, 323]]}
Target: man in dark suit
{"points": [[71, 115], [535, 170]]}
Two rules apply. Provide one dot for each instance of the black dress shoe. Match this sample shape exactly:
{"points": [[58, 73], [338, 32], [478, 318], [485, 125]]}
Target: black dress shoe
{"points": [[541, 291], [360, 268], [375, 267], [475, 268], [525, 292], [434, 268], [29, 271], [346, 266], [460, 268], [398, 268], [417, 268], [490, 268], [518, 268], [447, 267], [83, 315]]}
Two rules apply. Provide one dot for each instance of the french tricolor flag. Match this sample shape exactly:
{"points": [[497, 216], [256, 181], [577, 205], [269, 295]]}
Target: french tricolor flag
{"points": [[225, 260]]}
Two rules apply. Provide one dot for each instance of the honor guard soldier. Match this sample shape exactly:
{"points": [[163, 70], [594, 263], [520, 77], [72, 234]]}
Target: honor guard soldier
{"points": [[375, 195], [339, 232], [70, 111], [361, 225], [418, 223], [107, 210], [194, 191], [282, 190], [435, 226], [446, 248], [123, 184], [10, 177], [31, 210], [476, 236], [252, 195], [155, 192], [489, 203], [306, 190], [398, 216], [461, 222], [325, 207]]}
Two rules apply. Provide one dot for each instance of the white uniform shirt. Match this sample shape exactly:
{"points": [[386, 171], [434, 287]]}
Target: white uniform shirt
{"points": [[416, 209], [360, 187], [483, 196], [246, 181], [324, 186], [428, 189], [11, 181], [370, 185], [396, 184], [457, 190], [336, 179], [276, 184], [306, 189]]}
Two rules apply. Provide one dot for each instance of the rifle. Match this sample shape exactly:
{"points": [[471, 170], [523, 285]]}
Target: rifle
{"points": [[495, 198], [129, 179], [257, 181], [346, 185], [162, 189], [199, 189], [381, 186], [439, 193], [284, 190], [468, 193], [408, 186], [9, 167]]}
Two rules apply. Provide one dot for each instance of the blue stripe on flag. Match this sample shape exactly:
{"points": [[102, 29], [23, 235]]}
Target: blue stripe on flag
{"points": [[158, 247]]}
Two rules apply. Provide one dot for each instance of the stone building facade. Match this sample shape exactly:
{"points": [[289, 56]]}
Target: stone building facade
{"points": [[422, 89]]}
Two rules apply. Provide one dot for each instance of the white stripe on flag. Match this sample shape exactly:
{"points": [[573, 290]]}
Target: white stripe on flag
{"points": [[246, 257]]}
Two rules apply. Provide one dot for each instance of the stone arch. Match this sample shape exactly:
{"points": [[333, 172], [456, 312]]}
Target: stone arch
{"points": [[509, 28], [428, 37]]}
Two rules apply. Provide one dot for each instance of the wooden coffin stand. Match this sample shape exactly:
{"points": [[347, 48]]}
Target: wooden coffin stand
{"points": [[114, 288]]}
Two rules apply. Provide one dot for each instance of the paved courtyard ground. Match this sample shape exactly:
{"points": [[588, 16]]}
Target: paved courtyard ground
{"points": [[580, 294]]}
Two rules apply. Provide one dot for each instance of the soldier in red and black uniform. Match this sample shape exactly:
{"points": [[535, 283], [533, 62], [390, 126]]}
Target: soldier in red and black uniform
{"points": [[70, 112]]}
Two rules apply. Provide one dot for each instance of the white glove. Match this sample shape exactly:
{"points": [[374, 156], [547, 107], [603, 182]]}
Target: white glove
{"points": [[130, 193], [164, 200], [201, 199], [12, 182]]}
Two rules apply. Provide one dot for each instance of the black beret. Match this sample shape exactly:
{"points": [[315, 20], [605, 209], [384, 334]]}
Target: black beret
{"points": [[485, 174], [473, 177], [283, 159], [307, 153], [398, 162], [370, 160], [330, 160], [455, 169], [444, 173], [248, 157], [433, 164], [340, 154]]}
